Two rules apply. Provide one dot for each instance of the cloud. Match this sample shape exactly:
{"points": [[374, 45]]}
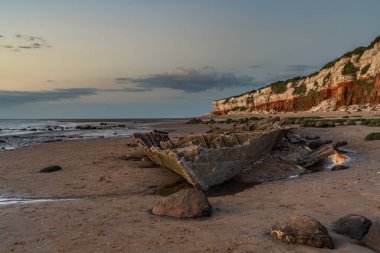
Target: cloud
{"points": [[10, 98], [254, 66], [299, 68], [136, 89], [24, 42], [187, 80]]}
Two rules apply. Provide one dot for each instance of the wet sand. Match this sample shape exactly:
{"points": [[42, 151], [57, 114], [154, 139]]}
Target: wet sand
{"points": [[110, 198]]}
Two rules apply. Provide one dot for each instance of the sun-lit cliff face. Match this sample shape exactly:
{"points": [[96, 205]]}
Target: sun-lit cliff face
{"points": [[351, 79]]}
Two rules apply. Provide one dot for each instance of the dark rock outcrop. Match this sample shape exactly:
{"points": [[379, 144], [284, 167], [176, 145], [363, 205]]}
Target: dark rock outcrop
{"points": [[352, 225], [187, 203], [303, 230], [85, 127]]}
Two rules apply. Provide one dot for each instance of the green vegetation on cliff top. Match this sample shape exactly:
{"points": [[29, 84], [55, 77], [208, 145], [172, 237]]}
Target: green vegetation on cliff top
{"points": [[349, 69]]}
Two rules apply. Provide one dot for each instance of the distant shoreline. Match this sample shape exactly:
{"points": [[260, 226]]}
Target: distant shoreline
{"points": [[109, 119]]}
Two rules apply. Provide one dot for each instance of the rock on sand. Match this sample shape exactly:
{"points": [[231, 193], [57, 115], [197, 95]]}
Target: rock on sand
{"points": [[187, 203], [303, 230], [352, 225]]}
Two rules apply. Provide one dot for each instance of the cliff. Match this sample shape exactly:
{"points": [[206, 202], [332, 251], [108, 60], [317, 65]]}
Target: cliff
{"points": [[352, 79]]}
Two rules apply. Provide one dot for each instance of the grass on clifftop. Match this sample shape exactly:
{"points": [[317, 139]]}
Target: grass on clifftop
{"points": [[349, 69], [372, 137], [357, 51], [279, 87]]}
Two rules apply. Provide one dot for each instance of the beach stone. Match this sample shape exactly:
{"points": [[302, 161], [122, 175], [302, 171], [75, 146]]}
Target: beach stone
{"points": [[317, 143], [352, 225], [187, 203], [303, 230], [372, 238], [51, 168]]}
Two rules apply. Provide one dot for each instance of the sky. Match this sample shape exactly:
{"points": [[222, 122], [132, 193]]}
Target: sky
{"points": [[164, 58]]}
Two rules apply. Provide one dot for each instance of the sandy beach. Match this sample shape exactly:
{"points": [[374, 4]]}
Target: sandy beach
{"points": [[102, 200]]}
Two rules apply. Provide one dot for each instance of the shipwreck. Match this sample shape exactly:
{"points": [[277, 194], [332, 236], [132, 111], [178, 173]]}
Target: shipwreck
{"points": [[207, 160]]}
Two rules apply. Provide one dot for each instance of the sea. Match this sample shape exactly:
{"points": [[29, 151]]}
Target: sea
{"points": [[25, 132]]}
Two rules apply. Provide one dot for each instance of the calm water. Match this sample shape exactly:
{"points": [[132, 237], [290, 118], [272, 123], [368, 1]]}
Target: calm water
{"points": [[21, 133]]}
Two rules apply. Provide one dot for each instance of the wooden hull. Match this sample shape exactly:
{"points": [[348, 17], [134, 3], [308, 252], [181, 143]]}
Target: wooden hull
{"points": [[208, 161]]}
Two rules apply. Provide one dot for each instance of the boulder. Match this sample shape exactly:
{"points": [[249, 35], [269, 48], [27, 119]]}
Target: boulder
{"points": [[51, 168], [372, 238], [352, 225], [187, 203], [303, 230]]}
